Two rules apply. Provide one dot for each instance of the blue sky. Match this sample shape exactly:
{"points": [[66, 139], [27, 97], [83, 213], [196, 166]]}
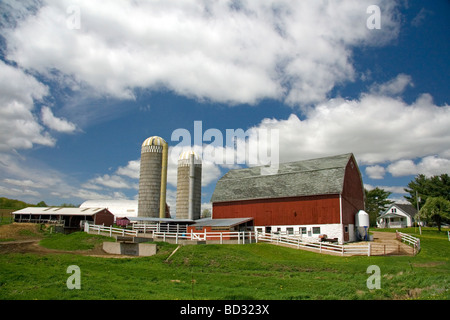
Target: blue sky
{"points": [[84, 83]]}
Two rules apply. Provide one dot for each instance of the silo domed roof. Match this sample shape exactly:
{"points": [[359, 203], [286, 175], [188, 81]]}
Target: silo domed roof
{"points": [[154, 141], [186, 155]]}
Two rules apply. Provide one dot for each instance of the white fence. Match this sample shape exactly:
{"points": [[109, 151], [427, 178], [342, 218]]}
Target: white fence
{"points": [[239, 237], [90, 228], [242, 237], [410, 240], [316, 246], [147, 228]]}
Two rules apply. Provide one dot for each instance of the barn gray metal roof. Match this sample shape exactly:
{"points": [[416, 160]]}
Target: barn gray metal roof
{"points": [[208, 222], [302, 178]]}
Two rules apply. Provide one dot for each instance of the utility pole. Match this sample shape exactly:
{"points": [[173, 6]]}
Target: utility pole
{"points": [[417, 201]]}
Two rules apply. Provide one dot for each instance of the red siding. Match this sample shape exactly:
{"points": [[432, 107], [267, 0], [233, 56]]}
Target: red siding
{"points": [[209, 229], [352, 194], [104, 217], [283, 211]]}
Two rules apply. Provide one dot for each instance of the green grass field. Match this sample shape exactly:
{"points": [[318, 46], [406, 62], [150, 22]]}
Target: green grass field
{"points": [[236, 272]]}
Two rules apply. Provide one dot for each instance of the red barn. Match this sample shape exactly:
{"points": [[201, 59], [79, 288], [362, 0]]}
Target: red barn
{"points": [[310, 198]]}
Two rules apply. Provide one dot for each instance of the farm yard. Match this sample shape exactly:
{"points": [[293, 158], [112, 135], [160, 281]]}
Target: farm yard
{"points": [[34, 265]]}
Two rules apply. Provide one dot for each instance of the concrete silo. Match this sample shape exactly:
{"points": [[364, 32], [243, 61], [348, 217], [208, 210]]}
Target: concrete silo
{"points": [[153, 178], [189, 186]]}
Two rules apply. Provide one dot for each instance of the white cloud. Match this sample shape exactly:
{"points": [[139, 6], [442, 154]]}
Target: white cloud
{"points": [[112, 181], [31, 180], [16, 192], [393, 189], [19, 127], [25, 183], [375, 172], [429, 166], [376, 128], [130, 170], [402, 168], [393, 87], [54, 123], [232, 52]]}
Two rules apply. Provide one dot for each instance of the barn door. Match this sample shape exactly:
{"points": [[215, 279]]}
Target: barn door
{"points": [[346, 234]]}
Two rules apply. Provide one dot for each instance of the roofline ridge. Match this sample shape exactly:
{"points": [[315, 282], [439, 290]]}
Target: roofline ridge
{"points": [[278, 173]]}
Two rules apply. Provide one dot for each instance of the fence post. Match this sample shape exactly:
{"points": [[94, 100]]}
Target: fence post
{"points": [[110, 231], [176, 238], [221, 242], [320, 247]]}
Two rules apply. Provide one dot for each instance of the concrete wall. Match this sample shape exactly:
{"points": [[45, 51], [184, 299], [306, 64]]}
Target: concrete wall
{"points": [[132, 249]]}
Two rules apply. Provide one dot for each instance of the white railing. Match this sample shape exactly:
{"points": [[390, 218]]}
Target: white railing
{"points": [[148, 228], [317, 246], [410, 240], [221, 237], [89, 228]]}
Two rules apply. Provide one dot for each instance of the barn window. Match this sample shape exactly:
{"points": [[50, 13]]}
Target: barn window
{"points": [[290, 230], [302, 230], [220, 228], [316, 230]]}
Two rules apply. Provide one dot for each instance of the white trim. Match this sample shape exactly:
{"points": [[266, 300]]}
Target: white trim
{"points": [[334, 230]]}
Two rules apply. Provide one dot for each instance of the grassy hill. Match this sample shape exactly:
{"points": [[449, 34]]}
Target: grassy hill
{"points": [[13, 204], [256, 271]]}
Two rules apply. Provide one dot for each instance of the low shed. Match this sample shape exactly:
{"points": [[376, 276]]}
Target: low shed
{"points": [[69, 217], [220, 225]]}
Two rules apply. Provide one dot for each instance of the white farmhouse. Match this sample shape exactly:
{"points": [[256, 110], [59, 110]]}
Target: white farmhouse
{"points": [[398, 215]]}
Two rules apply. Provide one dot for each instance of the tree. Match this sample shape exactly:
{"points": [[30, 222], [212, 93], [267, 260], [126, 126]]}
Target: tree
{"points": [[436, 209], [376, 202], [206, 213], [423, 187], [41, 204]]}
